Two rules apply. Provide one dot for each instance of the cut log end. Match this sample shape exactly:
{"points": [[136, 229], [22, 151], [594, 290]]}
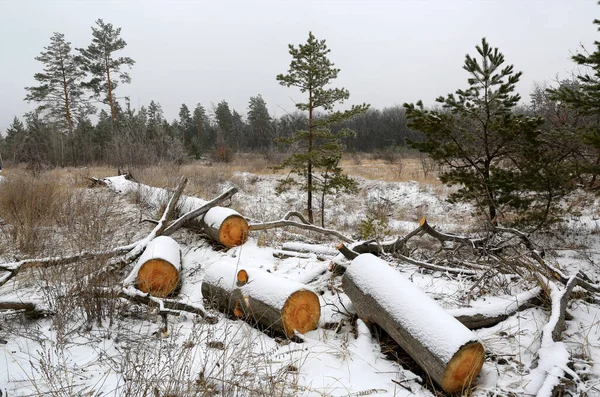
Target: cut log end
{"points": [[301, 312], [233, 231], [158, 278], [463, 368], [242, 277]]}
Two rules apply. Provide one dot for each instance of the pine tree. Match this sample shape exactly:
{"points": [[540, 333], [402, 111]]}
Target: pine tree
{"points": [[311, 71], [59, 94], [259, 124], [202, 131], [16, 136], [99, 60], [495, 155], [583, 97]]}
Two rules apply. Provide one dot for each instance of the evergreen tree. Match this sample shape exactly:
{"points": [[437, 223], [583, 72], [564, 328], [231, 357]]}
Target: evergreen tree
{"points": [[99, 60], [15, 140], [224, 123], [495, 155], [155, 120], [311, 71], [583, 97], [202, 131], [259, 124], [186, 124], [59, 94]]}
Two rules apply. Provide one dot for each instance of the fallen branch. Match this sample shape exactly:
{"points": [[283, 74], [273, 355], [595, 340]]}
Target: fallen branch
{"points": [[303, 224], [371, 247], [490, 315], [179, 222], [553, 356], [131, 251], [165, 306]]}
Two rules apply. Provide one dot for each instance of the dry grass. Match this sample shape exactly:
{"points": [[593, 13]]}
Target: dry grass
{"points": [[407, 168]]}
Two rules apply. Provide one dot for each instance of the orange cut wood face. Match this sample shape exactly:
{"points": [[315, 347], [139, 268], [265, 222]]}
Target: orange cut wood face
{"points": [[242, 277], [301, 312], [233, 231], [463, 368], [158, 278]]}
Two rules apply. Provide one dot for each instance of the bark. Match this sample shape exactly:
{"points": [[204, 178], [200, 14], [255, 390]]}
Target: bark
{"points": [[274, 303], [449, 352], [278, 304], [166, 306]]}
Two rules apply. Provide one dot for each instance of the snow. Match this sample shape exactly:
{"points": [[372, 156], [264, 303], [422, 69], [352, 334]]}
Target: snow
{"points": [[216, 215], [410, 307], [153, 196], [270, 289], [222, 274], [496, 305], [162, 247], [311, 248], [117, 359], [553, 356]]}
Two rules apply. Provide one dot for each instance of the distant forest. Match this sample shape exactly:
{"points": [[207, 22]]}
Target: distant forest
{"points": [[76, 86]]}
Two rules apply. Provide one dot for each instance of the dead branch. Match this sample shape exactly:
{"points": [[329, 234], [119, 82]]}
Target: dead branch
{"points": [[179, 222], [551, 335], [303, 224], [474, 318], [131, 251], [165, 306]]}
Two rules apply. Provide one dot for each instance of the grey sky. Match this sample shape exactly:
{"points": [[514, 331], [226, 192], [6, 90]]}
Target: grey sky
{"points": [[389, 52]]}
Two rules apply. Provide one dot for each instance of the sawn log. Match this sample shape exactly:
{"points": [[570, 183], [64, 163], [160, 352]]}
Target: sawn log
{"points": [[450, 353]]}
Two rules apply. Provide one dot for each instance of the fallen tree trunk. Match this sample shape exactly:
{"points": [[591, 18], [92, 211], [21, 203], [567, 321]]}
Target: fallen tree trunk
{"points": [[277, 303], [225, 226], [220, 289], [449, 352], [157, 270]]}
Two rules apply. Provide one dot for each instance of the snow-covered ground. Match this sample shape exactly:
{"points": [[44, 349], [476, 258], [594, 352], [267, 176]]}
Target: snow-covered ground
{"points": [[133, 354]]}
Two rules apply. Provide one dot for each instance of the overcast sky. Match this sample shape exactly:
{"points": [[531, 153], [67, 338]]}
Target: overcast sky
{"points": [[389, 52]]}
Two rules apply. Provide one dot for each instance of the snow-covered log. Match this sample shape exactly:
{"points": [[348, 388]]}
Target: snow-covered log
{"points": [[278, 303], [274, 302], [225, 226], [220, 288], [449, 352], [157, 270]]}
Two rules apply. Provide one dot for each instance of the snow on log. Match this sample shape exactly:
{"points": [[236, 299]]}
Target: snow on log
{"points": [[225, 226], [448, 351], [220, 288], [278, 303], [159, 266]]}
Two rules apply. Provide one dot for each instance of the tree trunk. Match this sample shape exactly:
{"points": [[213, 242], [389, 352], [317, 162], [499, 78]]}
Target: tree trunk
{"points": [[110, 95], [220, 289], [225, 226], [309, 181], [275, 303], [449, 352], [159, 266]]}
